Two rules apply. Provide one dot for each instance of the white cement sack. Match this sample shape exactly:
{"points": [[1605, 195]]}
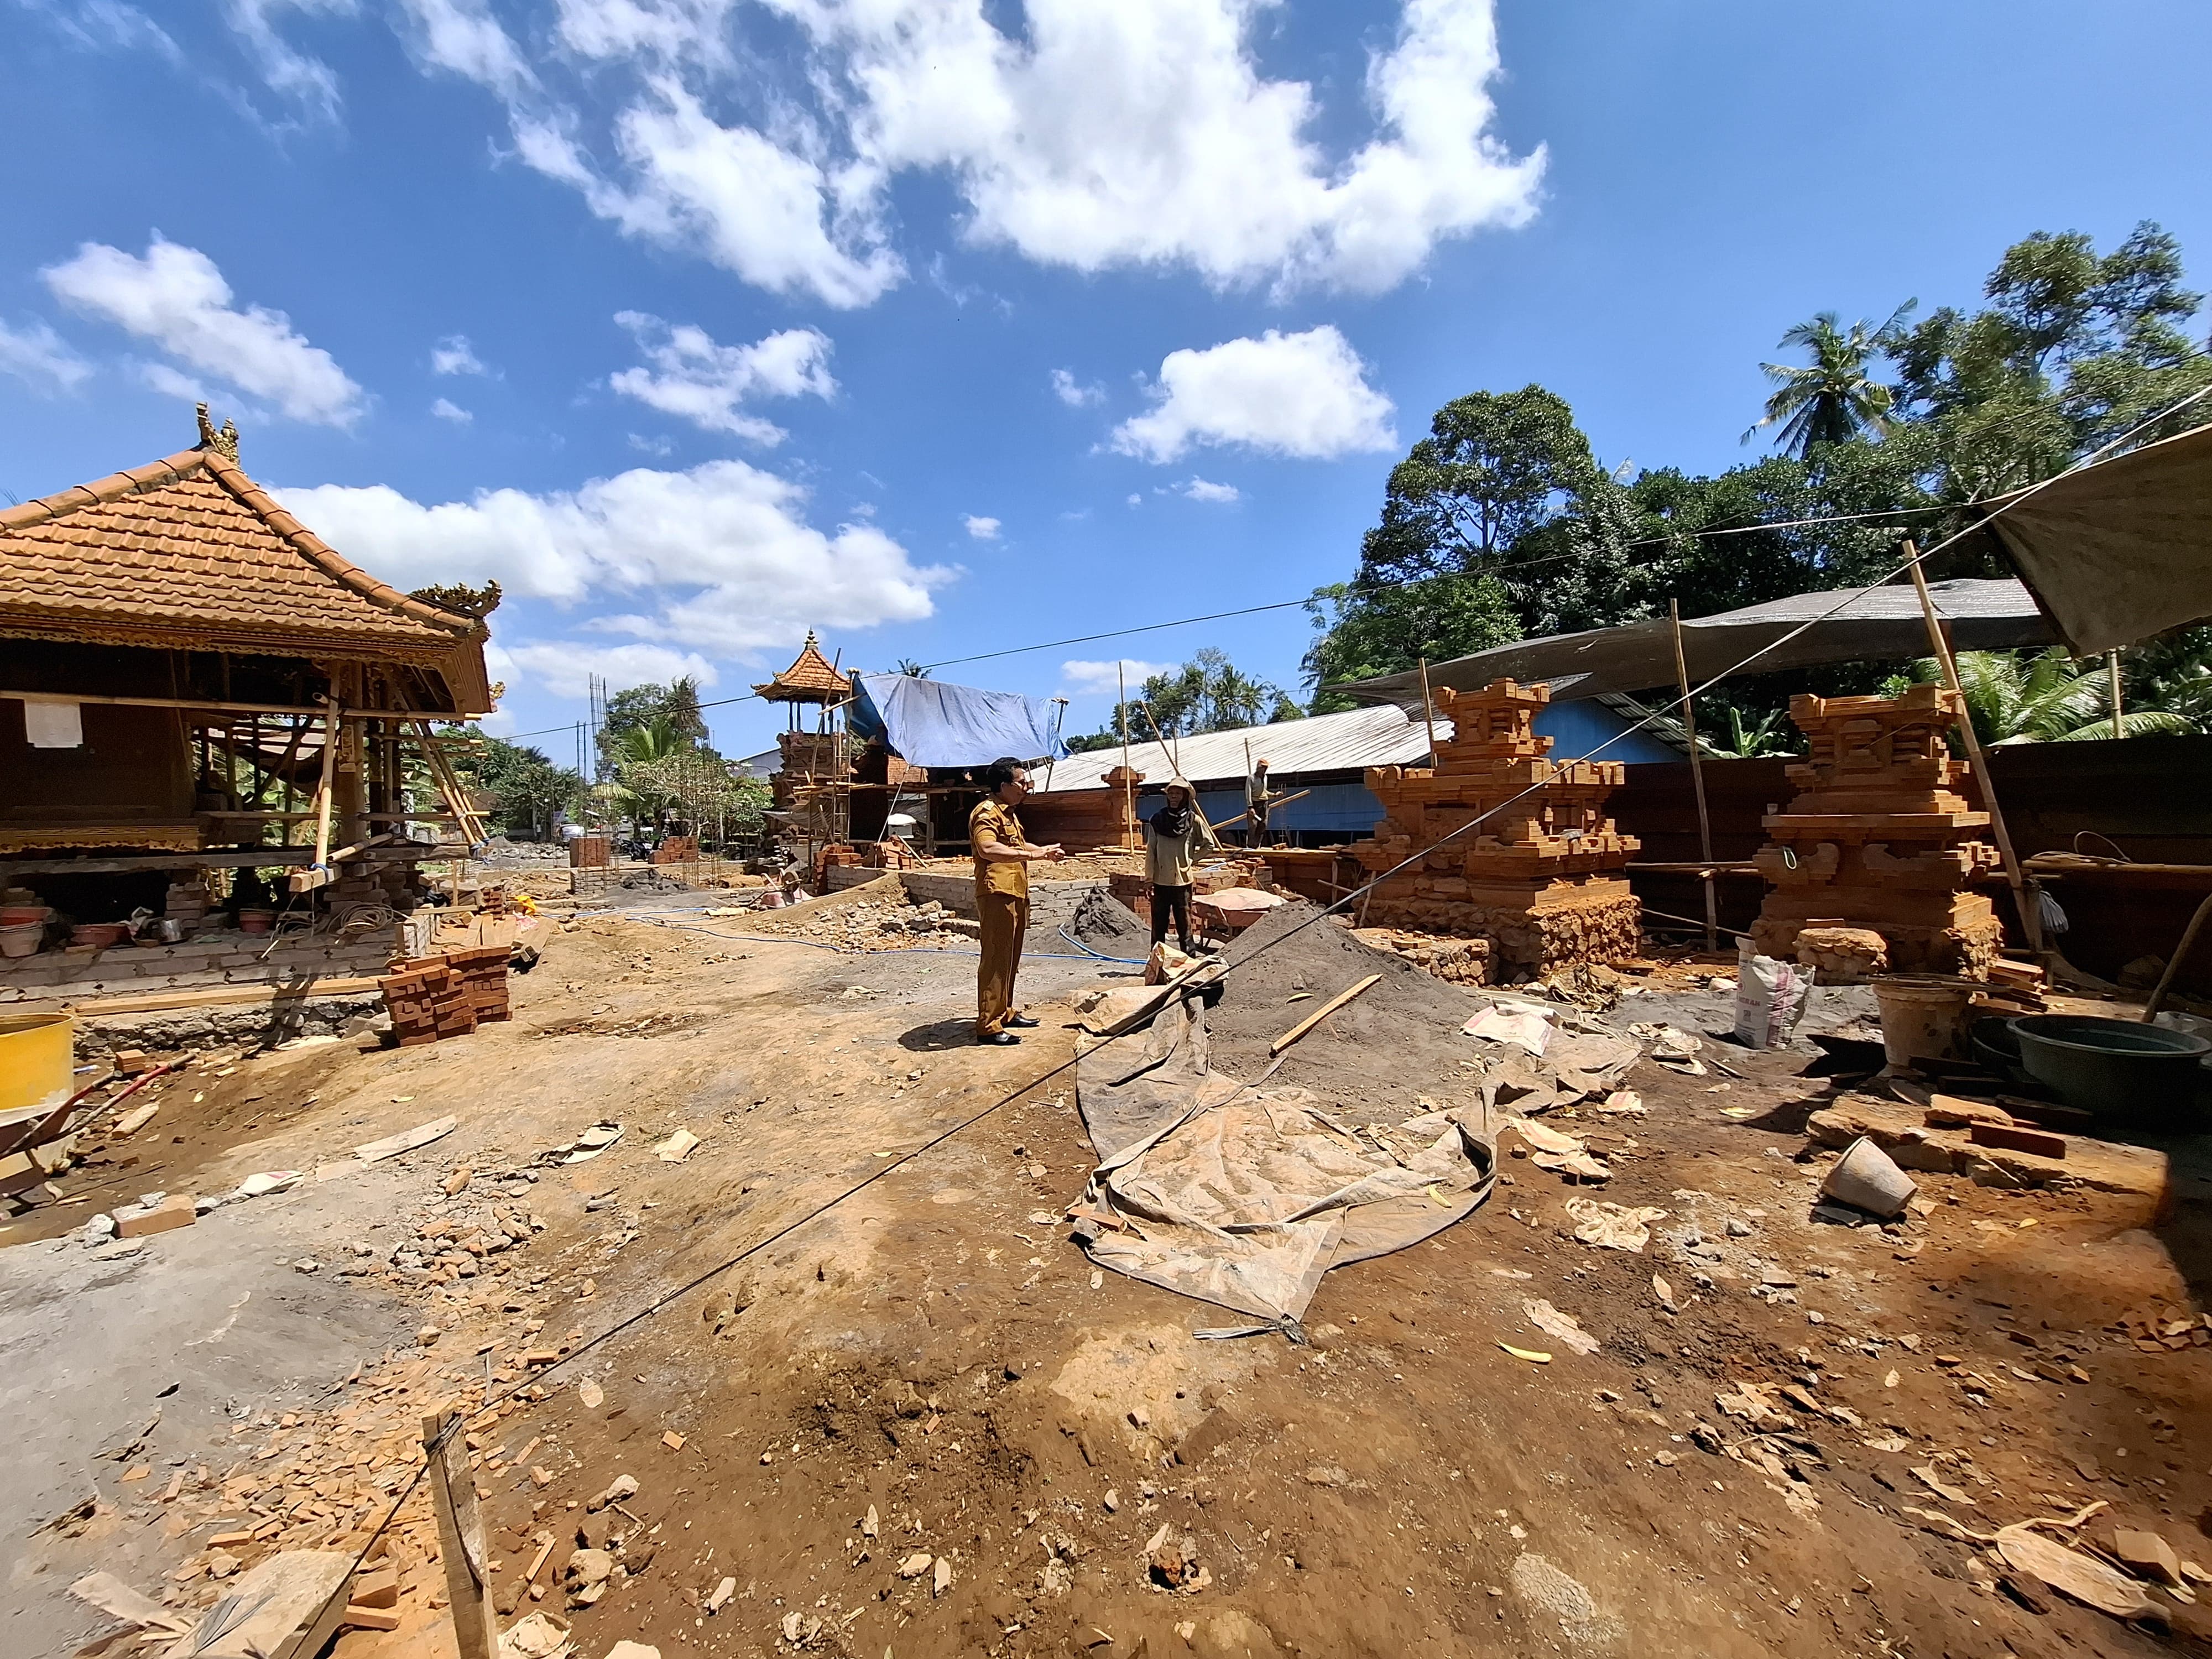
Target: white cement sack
{"points": [[1770, 1000]]}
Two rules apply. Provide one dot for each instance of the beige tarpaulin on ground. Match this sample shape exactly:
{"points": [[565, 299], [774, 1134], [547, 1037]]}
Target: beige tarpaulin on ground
{"points": [[1245, 1195], [2121, 550]]}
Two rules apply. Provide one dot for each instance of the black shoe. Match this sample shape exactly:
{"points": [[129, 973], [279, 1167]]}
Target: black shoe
{"points": [[1000, 1040], [1022, 1021]]}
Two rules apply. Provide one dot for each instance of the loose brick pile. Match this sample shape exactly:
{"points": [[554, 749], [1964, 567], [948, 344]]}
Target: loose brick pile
{"points": [[446, 995]]}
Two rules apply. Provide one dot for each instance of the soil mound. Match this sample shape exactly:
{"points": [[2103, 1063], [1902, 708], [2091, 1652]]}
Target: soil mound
{"points": [[1109, 927], [1400, 1041]]}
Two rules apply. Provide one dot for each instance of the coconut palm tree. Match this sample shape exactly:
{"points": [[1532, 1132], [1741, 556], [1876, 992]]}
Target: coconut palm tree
{"points": [[2045, 698], [1834, 398]]}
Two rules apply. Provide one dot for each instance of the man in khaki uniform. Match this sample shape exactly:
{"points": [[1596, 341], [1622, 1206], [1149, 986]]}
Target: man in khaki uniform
{"points": [[1003, 855]]}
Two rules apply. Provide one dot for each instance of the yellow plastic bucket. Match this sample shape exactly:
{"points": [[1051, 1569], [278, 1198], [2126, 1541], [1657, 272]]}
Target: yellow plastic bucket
{"points": [[35, 1052]]}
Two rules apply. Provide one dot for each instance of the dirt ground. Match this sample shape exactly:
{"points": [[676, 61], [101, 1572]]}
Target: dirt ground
{"points": [[930, 1369]]}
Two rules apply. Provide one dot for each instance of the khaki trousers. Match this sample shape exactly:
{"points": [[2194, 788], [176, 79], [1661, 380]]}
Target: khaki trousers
{"points": [[1005, 918]]}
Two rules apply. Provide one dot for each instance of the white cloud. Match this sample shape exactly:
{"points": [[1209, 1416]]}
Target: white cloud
{"points": [[176, 298], [982, 529], [1099, 676], [36, 354], [307, 80], [777, 217], [1204, 490], [1300, 395], [462, 36], [1135, 500], [97, 25], [703, 382], [454, 356], [721, 555], [1072, 392], [446, 410], [172, 384], [565, 667], [1143, 133]]}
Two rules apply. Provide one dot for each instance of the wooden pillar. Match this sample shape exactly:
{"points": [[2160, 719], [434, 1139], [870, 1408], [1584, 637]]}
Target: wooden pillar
{"points": [[460, 1538], [1697, 780]]}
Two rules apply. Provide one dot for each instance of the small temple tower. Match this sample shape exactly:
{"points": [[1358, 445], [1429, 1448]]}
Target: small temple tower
{"points": [[816, 757], [1544, 880], [1878, 836]]}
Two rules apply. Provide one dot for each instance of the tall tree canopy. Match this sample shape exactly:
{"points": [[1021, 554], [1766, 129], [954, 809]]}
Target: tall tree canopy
{"points": [[1209, 693], [1502, 524]]}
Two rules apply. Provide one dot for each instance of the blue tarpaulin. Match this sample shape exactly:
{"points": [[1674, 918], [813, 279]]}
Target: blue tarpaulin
{"points": [[928, 723]]}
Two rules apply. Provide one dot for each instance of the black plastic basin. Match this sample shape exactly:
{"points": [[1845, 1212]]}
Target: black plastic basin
{"points": [[2142, 1075]]}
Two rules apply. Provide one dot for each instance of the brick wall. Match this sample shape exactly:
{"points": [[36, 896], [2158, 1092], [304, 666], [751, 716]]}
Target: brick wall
{"points": [[224, 957]]}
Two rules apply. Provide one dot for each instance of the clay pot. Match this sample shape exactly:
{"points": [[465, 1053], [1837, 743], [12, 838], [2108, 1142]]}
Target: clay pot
{"points": [[21, 939], [256, 922]]}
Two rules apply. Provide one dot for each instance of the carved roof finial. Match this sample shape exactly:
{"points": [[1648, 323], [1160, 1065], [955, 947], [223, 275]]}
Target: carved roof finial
{"points": [[223, 441]]}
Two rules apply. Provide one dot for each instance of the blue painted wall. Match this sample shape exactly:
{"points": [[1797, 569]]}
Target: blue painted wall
{"points": [[1344, 811]]}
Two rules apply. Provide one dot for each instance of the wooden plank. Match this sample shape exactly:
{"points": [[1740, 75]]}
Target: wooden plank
{"points": [[1320, 1014], [229, 858], [153, 1001], [460, 1538]]}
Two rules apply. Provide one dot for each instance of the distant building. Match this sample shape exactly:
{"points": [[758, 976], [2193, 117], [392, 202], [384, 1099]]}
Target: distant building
{"points": [[1326, 757]]}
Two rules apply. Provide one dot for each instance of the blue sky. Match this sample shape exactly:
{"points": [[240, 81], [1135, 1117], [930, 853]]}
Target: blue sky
{"points": [[950, 326]]}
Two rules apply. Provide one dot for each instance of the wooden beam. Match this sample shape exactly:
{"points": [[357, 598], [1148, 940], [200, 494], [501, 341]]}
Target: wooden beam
{"points": [[1321, 1013], [1697, 779], [212, 996], [217, 706], [255, 858], [460, 1537]]}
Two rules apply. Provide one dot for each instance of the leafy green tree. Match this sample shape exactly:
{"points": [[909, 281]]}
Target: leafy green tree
{"points": [[1209, 693], [1494, 467], [1835, 397], [2074, 349], [911, 669], [1769, 734], [637, 706], [1383, 628], [2012, 697], [530, 790]]}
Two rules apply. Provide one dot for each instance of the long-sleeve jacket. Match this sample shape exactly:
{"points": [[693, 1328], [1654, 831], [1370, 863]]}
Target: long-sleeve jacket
{"points": [[1168, 859]]}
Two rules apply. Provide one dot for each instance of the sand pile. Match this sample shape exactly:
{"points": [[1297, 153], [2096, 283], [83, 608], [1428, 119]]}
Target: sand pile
{"points": [[1397, 1044]]}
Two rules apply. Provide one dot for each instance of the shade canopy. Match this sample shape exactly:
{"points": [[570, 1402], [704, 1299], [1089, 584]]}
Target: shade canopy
{"points": [[1872, 624], [928, 723], [2121, 550]]}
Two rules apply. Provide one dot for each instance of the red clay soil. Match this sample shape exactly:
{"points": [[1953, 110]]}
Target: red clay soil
{"points": [[936, 1351]]}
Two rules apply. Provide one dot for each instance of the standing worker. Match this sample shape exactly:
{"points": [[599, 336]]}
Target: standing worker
{"points": [[1174, 837], [1003, 855], [1257, 799]]}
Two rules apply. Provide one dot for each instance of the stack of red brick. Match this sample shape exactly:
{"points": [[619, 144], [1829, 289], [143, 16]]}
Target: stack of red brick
{"points": [[449, 994]]}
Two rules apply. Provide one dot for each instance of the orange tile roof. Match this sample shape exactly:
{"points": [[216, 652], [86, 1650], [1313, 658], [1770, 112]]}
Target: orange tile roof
{"points": [[191, 553], [809, 679]]}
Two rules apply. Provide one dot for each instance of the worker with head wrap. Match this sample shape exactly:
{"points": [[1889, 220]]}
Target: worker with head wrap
{"points": [[1258, 799], [1175, 836]]}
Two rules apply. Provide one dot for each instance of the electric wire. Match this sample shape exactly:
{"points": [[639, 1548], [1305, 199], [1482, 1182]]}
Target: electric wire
{"points": [[435, 1448]]}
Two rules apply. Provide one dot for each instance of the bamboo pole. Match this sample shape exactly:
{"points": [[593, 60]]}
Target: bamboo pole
{"points": [[2173, 962], [1320, 1014], [323, 790], [2112, 687], [1128, 780], [2031, 916], [1696, 779], [460, 1538]]}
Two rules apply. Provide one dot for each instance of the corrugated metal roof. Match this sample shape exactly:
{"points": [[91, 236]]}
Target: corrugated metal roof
{"points": [[1874, 625], [1349, 742]]}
